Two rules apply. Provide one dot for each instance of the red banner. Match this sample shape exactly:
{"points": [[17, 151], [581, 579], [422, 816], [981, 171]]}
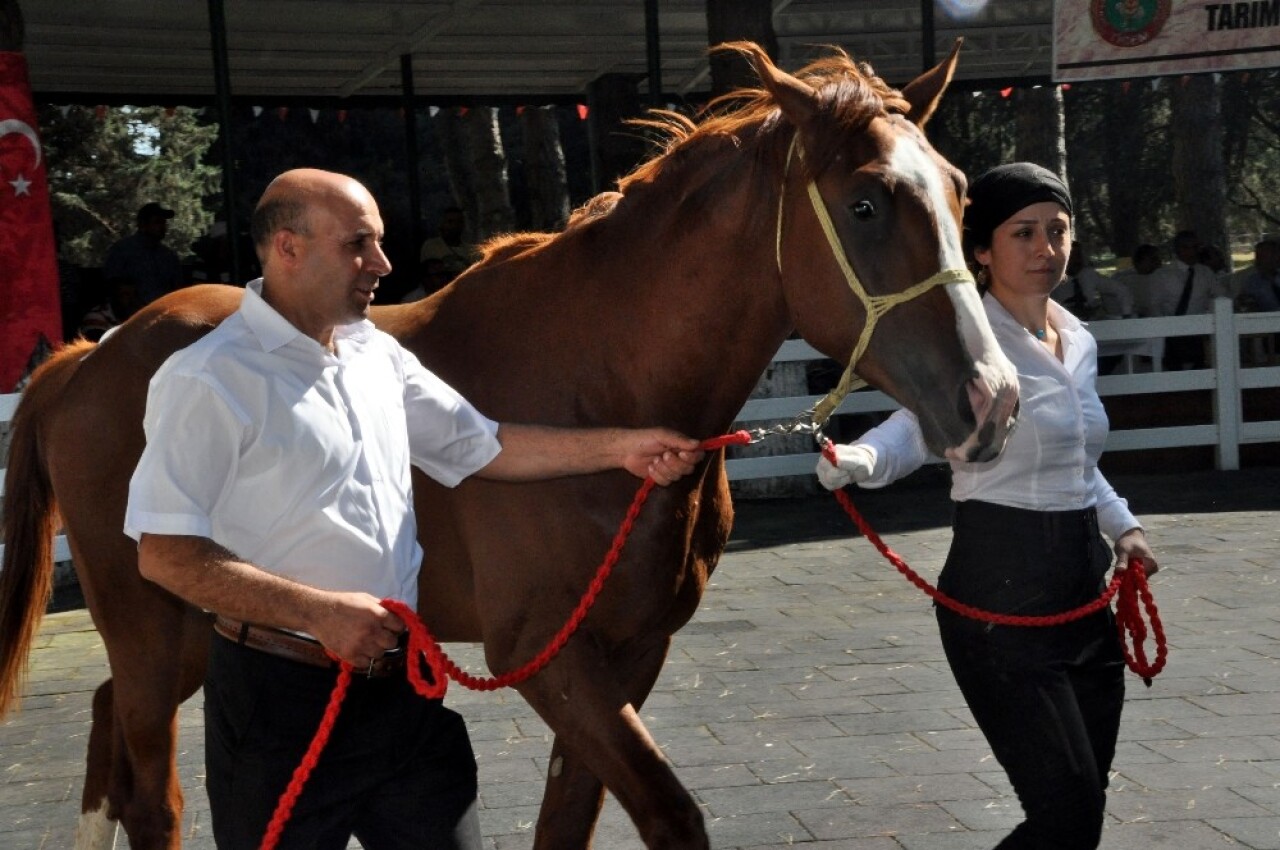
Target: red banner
{"points": [[30, 323]]}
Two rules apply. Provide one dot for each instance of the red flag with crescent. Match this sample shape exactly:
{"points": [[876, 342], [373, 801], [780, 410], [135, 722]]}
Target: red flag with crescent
{"points": [[30, 324]]}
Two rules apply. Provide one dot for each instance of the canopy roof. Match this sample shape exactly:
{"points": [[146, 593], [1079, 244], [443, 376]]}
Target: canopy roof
{"points": [[159, 51]]}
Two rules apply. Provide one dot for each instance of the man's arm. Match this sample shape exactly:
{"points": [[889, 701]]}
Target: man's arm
{"points": [[353, 626], [532, 452]]}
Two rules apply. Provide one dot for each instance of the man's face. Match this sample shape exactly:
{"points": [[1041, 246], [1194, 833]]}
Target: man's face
{"points": [[156, 227], [452, 225], [1187, 250], [344, 259]]}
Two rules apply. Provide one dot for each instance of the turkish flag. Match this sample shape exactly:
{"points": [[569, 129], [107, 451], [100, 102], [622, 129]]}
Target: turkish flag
{"points": [[30, 324]]}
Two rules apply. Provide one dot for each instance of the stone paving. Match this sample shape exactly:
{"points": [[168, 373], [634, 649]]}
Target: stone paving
{"points": [[808, 703]]}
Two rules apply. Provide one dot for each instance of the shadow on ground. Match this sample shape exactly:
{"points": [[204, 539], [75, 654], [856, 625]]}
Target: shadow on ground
{"points": [[922, 501]]}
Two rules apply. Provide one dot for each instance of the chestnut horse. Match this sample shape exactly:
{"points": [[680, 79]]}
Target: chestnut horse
{"points": [[660, 304]]}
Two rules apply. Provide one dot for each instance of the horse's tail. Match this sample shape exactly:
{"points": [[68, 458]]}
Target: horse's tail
{"points": [[30, 520]]}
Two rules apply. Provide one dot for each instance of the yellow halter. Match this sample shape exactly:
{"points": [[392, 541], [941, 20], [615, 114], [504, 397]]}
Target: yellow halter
{"points": [[875, 305]]}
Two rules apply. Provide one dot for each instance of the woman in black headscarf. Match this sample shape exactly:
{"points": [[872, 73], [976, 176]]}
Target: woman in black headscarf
{"points": [[1028, 526]]}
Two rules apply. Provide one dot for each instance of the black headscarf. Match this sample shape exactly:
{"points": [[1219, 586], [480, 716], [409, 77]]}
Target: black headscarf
{"points": [[998, 194]]}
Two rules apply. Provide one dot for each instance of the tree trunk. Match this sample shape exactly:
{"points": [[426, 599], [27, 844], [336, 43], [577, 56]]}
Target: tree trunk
{"points": [[12, 31], [1199, 175], [738, 20], [1122, 160], [613, 99], [458, 166], [1041, 136], [548, 186], [494, 213]]}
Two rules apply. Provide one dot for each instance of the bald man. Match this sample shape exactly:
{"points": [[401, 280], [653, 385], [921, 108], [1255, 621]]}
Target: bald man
{"points": [[274, 490]]}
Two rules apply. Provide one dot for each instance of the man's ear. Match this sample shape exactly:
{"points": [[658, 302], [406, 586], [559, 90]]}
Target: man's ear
{"points": [[285, 245]]}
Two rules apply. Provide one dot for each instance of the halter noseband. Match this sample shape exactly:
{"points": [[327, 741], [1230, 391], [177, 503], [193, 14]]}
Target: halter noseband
{"points": [[875, 305]]}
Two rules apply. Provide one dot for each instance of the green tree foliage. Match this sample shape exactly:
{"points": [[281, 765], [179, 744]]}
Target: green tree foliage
{"points": [[104, 163], [1251, 139]]}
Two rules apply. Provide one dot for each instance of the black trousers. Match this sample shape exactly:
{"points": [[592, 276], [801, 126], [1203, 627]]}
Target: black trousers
{"points": [[398, 771], [1048, 699]]}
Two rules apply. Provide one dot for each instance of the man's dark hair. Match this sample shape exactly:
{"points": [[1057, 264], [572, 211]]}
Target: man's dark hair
{"points": [[1145, 252], [273, 215]]}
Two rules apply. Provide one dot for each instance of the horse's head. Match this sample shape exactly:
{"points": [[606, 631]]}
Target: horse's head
{"points": [[869, 250]]}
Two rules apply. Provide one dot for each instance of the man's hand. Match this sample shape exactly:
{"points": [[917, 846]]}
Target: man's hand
{"points": [[661, 454], [355, 627], [854, 464], [1132, 546]]}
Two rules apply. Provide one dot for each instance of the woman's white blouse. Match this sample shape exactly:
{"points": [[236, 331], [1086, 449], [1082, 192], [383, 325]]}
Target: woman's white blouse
{"points": [[1050, 462]]}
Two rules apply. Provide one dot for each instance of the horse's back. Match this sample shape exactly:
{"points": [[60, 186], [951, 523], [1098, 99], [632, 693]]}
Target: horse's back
{"points": [[94, 436]]}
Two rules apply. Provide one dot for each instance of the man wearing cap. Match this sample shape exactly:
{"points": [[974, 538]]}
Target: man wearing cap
{"points": [[144, 259]]}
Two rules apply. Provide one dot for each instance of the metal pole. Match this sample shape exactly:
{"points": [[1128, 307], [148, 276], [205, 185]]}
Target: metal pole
{"points": [[222, 82], [411, 151], [653, 52], [926, 34]]}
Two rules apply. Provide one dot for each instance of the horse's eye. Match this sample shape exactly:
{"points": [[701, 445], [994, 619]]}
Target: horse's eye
{"points": [[863, 210]]}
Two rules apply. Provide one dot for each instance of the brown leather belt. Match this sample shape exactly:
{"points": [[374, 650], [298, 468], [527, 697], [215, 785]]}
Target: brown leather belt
{"points": [[300, 649]]}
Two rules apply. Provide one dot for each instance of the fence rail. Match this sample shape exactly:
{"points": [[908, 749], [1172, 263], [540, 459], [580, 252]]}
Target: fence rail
{"points": [[1227, 380]]}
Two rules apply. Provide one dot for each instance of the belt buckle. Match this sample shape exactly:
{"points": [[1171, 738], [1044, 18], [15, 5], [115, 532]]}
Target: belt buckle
{"points": [[379, 666]]}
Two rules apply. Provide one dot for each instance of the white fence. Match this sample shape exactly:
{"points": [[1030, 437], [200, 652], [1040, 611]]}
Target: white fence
{"points": [[1134, 339]]}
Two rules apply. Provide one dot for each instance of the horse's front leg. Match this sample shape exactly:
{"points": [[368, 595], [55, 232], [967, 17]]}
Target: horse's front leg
{"points": [[589, 698]]}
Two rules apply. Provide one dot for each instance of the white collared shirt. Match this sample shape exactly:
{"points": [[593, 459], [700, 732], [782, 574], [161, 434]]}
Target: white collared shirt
{"points": [[1050, 462], [297, 460]]}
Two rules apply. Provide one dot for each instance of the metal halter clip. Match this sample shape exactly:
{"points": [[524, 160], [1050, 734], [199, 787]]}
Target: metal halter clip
{"points": [[802, 424]]}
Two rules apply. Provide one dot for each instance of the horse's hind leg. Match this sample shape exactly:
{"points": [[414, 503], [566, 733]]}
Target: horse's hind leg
{"points": [[97, 827], [589, 699], [148, 690]]}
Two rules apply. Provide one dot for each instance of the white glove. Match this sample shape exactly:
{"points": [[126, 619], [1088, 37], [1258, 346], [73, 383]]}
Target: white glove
{"points": [[854, 464]]}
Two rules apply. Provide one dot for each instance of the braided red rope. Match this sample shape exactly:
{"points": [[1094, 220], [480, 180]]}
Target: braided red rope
{"points": [[1127, 586], [423, 645]]}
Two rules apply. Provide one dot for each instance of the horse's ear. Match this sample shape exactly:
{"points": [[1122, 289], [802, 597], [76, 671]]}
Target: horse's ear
{"points": [[924, 92], [798, 100]]}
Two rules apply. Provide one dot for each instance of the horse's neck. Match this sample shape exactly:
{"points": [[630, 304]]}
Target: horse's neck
{"points": [[711, 301], [667, 310]]}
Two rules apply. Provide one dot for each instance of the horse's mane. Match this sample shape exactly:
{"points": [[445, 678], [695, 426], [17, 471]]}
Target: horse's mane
{"points": [[850, 95], [507, 245]]}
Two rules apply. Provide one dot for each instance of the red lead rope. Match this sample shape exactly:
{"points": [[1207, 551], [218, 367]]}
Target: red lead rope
{"points": [[423, 648], [1127, 586], [423, 645]]}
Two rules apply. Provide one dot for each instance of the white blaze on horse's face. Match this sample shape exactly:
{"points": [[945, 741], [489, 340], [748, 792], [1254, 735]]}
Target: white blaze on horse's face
{"points": [[993, 392]]}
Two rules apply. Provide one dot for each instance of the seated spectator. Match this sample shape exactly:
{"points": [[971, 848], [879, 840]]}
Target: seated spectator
{"points": [[1260, 288], [1213, 258], [1188, 290], [435, 277], [144, 259], [121, 303], [448, 246], [1141, 280], [1088, 293]]}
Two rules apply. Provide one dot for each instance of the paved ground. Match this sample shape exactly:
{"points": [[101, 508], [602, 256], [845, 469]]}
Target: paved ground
{"points": [[808, 704]]}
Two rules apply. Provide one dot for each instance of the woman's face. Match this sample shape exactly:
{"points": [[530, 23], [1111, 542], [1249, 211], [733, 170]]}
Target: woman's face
{"points": [[1029, 250]]}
